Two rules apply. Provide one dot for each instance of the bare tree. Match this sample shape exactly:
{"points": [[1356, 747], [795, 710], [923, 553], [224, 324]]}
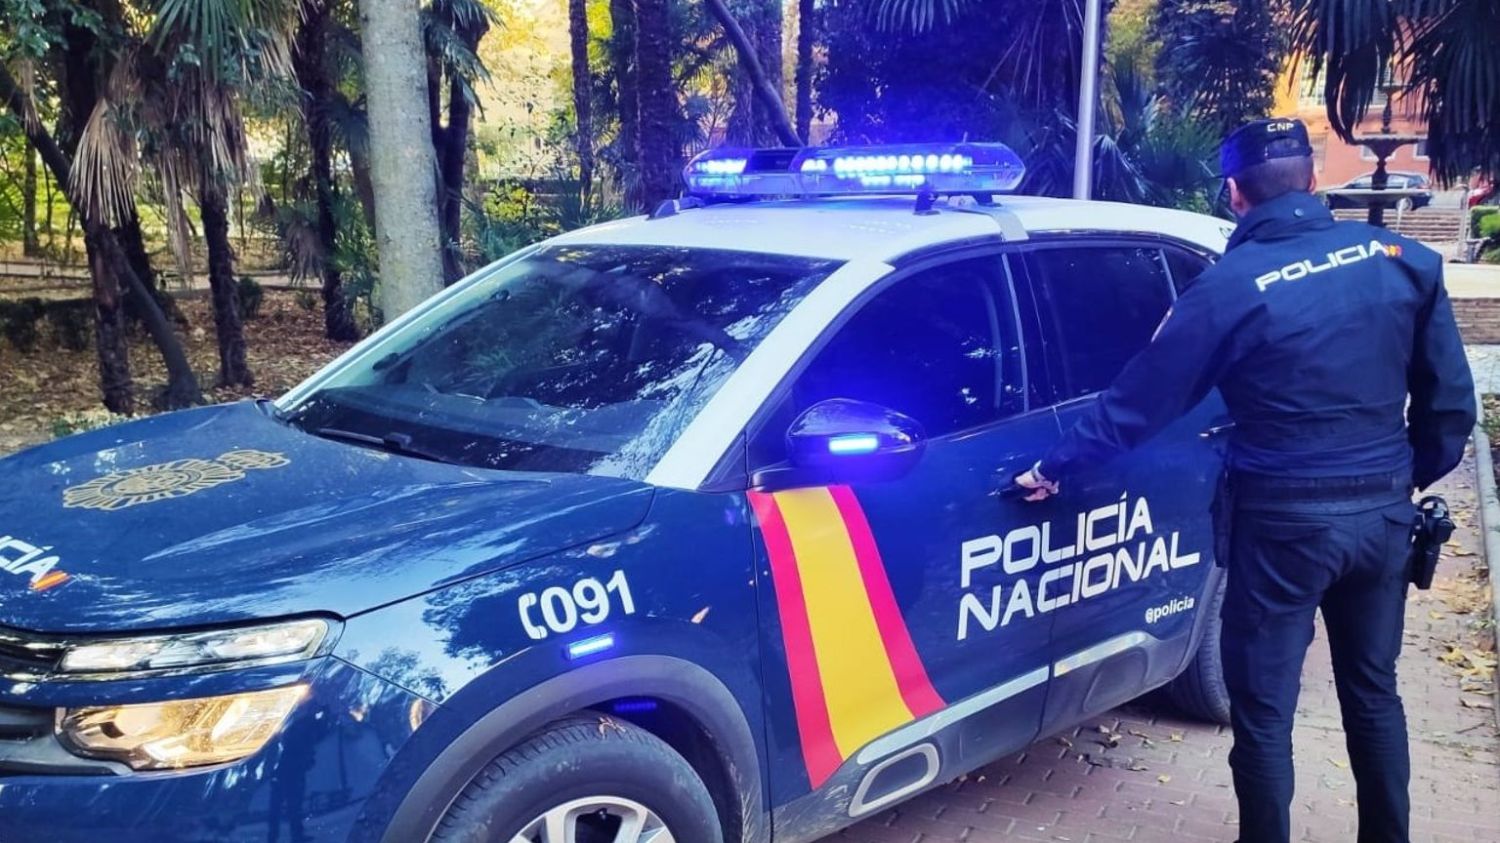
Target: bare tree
{"points": [[403, 167]]}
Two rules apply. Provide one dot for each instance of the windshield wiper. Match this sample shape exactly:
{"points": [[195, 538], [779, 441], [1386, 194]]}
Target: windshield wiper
{"points": [[396, 443], [268, 406]]}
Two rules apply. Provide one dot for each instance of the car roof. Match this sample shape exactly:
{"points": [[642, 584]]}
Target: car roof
{"points": [[885, 229]]}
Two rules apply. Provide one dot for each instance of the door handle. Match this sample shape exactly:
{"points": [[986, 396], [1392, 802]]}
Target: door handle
{"points": [[1005, 487], [1216, 431]]}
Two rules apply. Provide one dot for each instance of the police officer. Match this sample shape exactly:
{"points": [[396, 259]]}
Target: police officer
{"points": [[1316, 333]]}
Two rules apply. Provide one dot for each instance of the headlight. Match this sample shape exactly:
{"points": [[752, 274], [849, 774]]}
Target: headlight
{"points": [[181, 733], [243, 647]]}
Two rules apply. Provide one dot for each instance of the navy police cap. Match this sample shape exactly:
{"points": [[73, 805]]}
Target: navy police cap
{"points": [[1262, 140]]}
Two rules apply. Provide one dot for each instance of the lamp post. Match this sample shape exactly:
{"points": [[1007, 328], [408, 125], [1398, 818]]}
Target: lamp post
{"points": [[1088, 77]]}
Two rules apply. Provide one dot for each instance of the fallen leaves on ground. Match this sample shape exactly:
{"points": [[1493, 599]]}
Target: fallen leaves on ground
{"points": [[285, 345]]}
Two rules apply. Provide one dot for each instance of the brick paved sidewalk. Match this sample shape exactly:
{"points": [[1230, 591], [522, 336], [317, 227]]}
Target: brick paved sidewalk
{"points": [[1168, 778]]}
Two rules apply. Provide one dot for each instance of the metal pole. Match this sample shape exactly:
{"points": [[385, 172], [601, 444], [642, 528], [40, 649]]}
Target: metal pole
{"points": [[1088, 77]]}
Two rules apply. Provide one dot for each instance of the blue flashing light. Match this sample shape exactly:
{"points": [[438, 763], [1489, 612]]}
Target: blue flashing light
{"points": [[861, 443], [591, 646], [964, 168]]}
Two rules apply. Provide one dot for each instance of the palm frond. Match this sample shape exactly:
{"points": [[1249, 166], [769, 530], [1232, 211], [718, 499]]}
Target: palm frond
{"points": [[106, 166], [1355, 42], [918, 16]]}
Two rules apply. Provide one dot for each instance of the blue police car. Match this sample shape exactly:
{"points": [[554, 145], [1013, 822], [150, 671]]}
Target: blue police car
{"points": [[683, 528]]}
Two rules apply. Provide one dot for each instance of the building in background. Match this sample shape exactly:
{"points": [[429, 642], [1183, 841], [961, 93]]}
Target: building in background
{"points": [[1299, 93]]}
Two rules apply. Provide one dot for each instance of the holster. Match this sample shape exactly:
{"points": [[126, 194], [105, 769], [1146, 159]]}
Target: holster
{"points": [[1222, 514], [1433, 527]]}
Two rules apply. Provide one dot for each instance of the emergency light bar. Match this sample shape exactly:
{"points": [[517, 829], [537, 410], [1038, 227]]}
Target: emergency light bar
{"points": [[962, 168]]}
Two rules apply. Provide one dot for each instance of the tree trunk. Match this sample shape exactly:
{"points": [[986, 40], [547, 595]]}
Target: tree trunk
{"points": [[311, 66], [128, 233], [452, 157], [229, 328], [451, 142], [660, 155], [401, 156], [583, 95], [806, 37], [115, 382], [770, 97], [623, 54], [105, 252], [30, 244]]}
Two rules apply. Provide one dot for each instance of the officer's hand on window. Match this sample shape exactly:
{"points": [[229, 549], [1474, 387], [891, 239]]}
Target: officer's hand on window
{"points": [[1038, 488]]}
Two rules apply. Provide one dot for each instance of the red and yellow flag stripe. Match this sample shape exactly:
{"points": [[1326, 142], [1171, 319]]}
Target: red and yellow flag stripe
{"points": [[855, 673]]}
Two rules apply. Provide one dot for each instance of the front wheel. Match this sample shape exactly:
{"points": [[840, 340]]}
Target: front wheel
{"points": [[1200, 690], [587, 779]]}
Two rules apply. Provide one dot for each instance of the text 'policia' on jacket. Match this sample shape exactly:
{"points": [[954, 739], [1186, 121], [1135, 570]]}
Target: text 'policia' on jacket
{"points": [[1314, 332]]}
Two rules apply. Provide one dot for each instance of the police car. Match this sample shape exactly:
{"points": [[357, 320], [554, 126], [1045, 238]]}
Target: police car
{"points": [[690, 527]]}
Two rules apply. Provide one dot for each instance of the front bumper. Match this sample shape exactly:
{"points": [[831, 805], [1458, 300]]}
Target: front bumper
{"points": [[308, 784]]}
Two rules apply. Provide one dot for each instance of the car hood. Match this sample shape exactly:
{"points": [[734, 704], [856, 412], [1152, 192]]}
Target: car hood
{"points": [[224, 514]]}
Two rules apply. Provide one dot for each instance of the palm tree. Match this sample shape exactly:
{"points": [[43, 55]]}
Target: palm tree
{"points": [[1448, 51], [452, 30], [622, 51], [660, 153], [583, 95], [1220, 61], [71, 43], [317, 77], [174, 101], [806, 38]]}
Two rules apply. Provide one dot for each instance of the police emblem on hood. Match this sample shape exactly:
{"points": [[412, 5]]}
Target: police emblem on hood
{"points": [[164, 481]]}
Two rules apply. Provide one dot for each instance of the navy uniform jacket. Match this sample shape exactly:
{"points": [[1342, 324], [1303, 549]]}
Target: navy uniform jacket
{"points": [[1316, 332]]}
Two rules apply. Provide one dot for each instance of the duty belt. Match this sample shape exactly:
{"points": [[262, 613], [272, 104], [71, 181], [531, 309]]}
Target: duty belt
{"points": [[1261, 487]]}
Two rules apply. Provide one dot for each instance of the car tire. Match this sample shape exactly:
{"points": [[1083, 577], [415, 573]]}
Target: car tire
{"points": [[1405, 204], [1200, 690], [589, 773]]}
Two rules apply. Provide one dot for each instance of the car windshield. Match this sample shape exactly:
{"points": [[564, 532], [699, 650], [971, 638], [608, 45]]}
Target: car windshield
{"points": [[584, 359]]}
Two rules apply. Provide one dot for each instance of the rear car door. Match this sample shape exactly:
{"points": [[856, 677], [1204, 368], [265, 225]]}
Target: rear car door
{"points": [[884, 609], [1133, 553]]}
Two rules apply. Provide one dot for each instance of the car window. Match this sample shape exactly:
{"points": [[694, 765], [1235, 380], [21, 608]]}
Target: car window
{"points": [[585, 359], [1185, 267], [1100, 305], [938, 346]]}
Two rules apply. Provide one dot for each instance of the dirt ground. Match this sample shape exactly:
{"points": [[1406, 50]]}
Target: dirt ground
{"points": [[52, 386]]}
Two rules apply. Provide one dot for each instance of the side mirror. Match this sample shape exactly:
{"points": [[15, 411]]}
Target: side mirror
{"points": [[845, 441]]}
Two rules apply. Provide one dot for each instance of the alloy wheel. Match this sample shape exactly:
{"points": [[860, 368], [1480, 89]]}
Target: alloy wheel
{"points": [[597, 819]]}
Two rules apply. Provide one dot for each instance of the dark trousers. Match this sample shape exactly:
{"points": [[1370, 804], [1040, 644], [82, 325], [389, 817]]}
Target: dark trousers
{"points": [[1289, 558]]}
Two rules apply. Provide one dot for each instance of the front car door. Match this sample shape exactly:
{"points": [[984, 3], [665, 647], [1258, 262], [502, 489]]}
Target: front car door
{"points": [[1132, 540], [885, 603]]}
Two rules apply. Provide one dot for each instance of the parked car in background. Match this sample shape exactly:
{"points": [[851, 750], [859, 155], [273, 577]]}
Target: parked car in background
{"points": [[1394, 181]]}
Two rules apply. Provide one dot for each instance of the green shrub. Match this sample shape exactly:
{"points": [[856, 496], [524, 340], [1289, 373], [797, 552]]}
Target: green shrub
{"points": [[1481, 219], [72, 323], [1489, 227], [1491, 256], [19, 322], [251, 294]]}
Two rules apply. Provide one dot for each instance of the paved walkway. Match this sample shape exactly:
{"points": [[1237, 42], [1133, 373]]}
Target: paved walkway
{"points": [[1472, 280], [1484, 360], [1168, 780]]}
